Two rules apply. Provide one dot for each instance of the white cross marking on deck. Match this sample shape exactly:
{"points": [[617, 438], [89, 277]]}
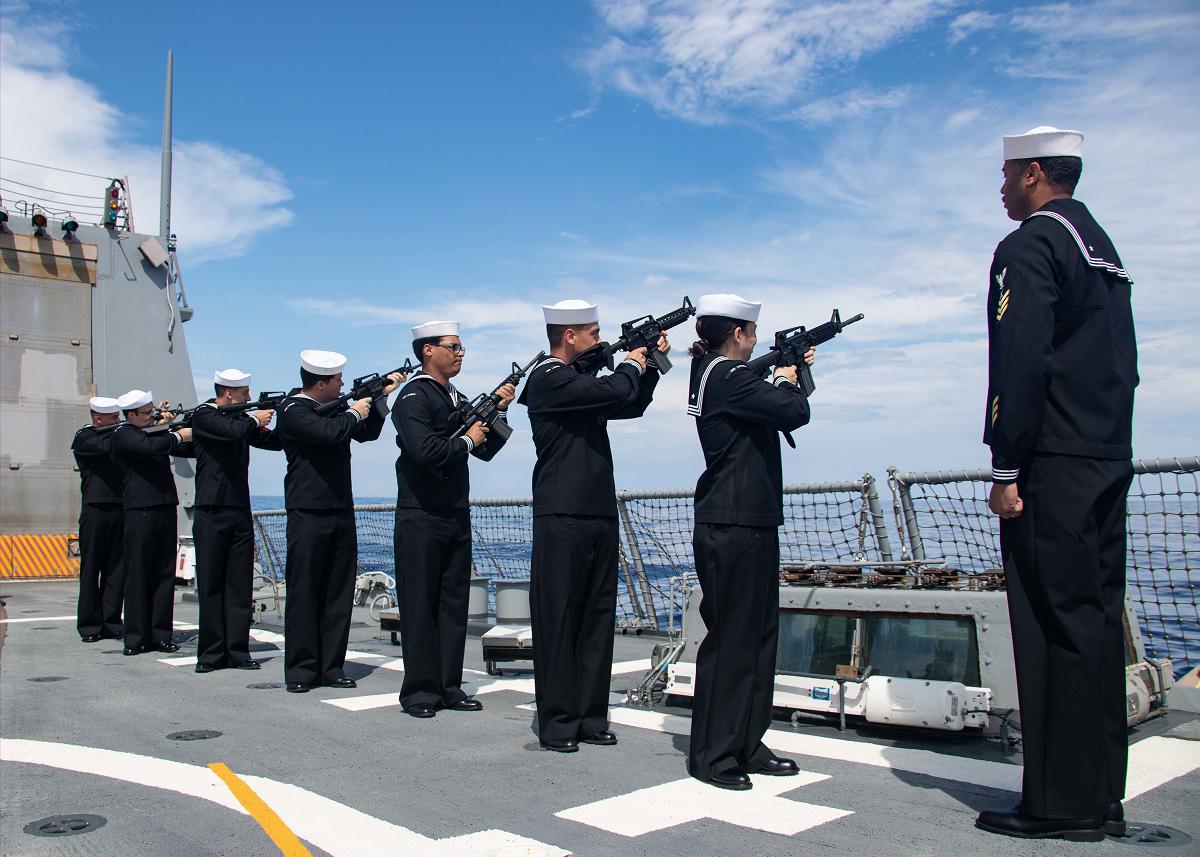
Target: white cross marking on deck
{"points": [[681, 801]]}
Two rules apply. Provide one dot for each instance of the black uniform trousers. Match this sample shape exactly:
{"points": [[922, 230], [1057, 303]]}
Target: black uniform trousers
{"points": [[573, 601], [433, 580], [101, 571], [738, 569], [224, 537], [322, 560], [151, 538], [1064, 561]]}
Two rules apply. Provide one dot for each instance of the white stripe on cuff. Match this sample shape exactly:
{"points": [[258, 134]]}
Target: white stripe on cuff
{"points": [[470, 443], [999, 475]]}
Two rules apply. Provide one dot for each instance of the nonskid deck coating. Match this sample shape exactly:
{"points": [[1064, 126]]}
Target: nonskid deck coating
{"points": [[356, 779]]}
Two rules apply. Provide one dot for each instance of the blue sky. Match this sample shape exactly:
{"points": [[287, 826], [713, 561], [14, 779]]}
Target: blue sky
{"points": [[346, 170]]}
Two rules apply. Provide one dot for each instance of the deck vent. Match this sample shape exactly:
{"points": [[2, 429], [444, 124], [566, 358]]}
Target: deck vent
{"points": [[195, 735], [1144, 833], [49, 678], [65, 825]]}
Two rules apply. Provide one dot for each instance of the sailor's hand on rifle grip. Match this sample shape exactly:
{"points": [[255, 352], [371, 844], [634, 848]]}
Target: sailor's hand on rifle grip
{"points": [[787, 373], [395, 379], [506, 393], [362, 407], [264, 416], [638, 356], [478, 434]]}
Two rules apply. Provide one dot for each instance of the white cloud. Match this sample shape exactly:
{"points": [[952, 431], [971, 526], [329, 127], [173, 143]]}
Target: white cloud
{"points": [[699, 60], [573, 236], [472, 314], [969, 23], [654, 281], [852, 104], [222, 199]]}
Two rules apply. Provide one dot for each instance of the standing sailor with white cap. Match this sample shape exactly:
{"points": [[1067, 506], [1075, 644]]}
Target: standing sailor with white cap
{"points": [[573, 586], [735, 540], [223, 528], [151, 528], [433, 521], [322, 542], [101, 525], [1062, 368]]}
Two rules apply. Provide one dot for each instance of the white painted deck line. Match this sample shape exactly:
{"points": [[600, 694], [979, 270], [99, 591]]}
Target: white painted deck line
{"points": [[318, 820], [36, 619], [658, 807], [1158, 760], [622, 667]]}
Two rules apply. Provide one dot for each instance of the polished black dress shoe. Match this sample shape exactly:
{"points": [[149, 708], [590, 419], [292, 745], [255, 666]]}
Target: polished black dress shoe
{"points": [[297, 687], [468, 704], [732, 780], [604, 738], [129, 651], [564, 745], [247, 665], [1114, 819], [117, 636], [777, 767], [421, 710], [205, 668], [1011, 823], [344, 683], [167, 646], [90, 638]]}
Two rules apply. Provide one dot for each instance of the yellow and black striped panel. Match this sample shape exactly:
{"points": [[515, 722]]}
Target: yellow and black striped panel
{"points": [[36, 555]]}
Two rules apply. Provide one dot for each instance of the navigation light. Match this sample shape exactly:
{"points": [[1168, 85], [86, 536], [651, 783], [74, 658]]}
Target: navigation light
{"points": [[69, 225], [39, 224]]}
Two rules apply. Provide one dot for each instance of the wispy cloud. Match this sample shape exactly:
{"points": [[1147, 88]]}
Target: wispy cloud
{"points": [[969, 23], [50, 116], [852, 104], [702, 60], [473, 314]]}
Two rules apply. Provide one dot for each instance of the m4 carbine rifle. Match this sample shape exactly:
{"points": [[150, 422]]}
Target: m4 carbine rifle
{"points": [[485, 408], [791, 345], [367, 387], [264, 402], [640, 333]]}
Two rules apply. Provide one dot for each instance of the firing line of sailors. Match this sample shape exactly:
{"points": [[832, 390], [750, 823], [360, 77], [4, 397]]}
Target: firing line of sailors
{"points": [[1062, 369]]}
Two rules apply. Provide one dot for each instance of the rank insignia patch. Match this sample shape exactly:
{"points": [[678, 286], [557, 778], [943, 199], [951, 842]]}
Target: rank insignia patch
{"points": [[1002, 303], [995, 409]]}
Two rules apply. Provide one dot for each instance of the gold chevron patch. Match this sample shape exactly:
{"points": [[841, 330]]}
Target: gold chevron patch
{"points": [[995, 409], [1003, 305]]}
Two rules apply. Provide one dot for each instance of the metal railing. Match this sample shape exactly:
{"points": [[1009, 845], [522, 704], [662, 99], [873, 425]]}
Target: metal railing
{"points": [[936, 517]]}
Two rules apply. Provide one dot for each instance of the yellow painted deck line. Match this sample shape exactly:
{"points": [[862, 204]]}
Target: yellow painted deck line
{"points": [[286, 841]]}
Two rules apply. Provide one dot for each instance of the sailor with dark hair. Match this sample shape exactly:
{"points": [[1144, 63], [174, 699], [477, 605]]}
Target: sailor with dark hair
{"points": [[1062, 368], [101, 525], [223, 528], [322, 542], [735, 541], [433, 521], [573, 586], [151, 531]]}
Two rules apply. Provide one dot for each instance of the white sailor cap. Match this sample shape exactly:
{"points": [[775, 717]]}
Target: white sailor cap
{"points": [[103, 405], [571, 312], [134, 399], [231, 378], [1043, 141], [730, 306], [432, 329], [322, 362]]}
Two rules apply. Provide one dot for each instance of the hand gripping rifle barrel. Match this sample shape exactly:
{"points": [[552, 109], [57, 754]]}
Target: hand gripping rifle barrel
{"points": [[367, 387], [640, 333], [486, 406], [791, 345]]}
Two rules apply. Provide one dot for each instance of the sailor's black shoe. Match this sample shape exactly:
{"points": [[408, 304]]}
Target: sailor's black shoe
{"points": [[342, 683], [561, 745], [130, 651], [732, 780], [778, 767], [468, 704], [297, 687], [166, 646], [205, 668], [247, 665], [604, 738], [421, 709], [1008, 822], [1114, 819], [90, 638]]}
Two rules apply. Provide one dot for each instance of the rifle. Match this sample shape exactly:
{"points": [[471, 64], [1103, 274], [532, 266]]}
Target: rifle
{"points": [[485, 407], [264, 402], [640, 333], [791, 344], [183, 417], [367, 387]]}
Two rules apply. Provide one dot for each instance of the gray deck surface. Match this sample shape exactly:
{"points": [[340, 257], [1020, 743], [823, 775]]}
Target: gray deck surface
{"points": [[451, 776]]}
